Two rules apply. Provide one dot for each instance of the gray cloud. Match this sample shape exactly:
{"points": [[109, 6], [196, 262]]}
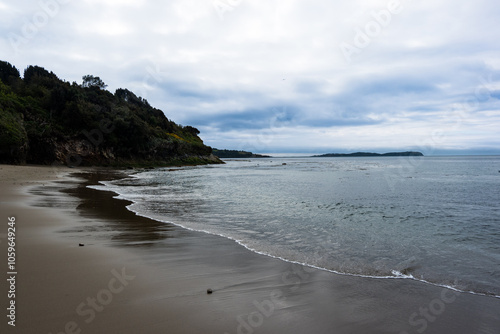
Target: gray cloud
{"points": [[271, 75]]}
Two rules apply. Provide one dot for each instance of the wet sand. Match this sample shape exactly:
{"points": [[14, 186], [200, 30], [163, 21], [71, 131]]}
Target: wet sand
{"points": [[137, 275]]}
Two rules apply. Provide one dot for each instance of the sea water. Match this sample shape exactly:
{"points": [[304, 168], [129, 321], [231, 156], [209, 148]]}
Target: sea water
{"points": [[433, 219]]}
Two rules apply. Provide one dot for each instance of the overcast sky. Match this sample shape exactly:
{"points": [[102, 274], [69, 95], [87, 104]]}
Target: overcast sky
{"points": [[284, 76]]}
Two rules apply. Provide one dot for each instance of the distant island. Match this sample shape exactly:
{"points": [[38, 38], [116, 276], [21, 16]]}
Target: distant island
{"points": [[230, 154], [46, 120], [368, 154]]}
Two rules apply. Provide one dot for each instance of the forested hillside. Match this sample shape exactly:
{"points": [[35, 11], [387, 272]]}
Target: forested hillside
{"points": [[45, 120]]}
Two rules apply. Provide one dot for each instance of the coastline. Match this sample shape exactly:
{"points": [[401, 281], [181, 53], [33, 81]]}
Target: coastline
{"points": [[172, 268], [54, 274]]}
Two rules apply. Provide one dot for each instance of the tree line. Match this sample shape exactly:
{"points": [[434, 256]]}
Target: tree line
{"points": [[43, 118]]}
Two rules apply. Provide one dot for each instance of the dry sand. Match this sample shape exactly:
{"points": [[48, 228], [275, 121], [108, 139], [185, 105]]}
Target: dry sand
{"points": [[136, 275]]}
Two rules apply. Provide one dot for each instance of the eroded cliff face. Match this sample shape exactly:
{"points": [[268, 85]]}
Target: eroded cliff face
{"points": [[81, 152]]}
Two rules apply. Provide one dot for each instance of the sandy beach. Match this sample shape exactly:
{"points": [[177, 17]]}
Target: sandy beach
{"points": [[137, 275]]}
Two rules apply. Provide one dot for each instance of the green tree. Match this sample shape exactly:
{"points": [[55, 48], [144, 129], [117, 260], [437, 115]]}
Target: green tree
{"points": [[92, 81], [33, 72], [192, 130], [7, 71]]}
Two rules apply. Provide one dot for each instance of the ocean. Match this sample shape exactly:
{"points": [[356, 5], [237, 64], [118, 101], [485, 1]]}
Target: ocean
{"points": [[431, 219]]}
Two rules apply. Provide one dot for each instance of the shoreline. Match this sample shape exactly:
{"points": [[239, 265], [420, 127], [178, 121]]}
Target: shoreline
{"points": [[55, 276], [394, 274], [173, 267]]}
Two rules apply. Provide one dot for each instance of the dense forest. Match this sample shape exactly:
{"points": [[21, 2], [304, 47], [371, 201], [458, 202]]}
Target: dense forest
{"points": [[45, 120]]}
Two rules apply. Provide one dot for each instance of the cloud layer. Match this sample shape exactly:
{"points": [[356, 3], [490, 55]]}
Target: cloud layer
{"points": [[284, 76]]}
